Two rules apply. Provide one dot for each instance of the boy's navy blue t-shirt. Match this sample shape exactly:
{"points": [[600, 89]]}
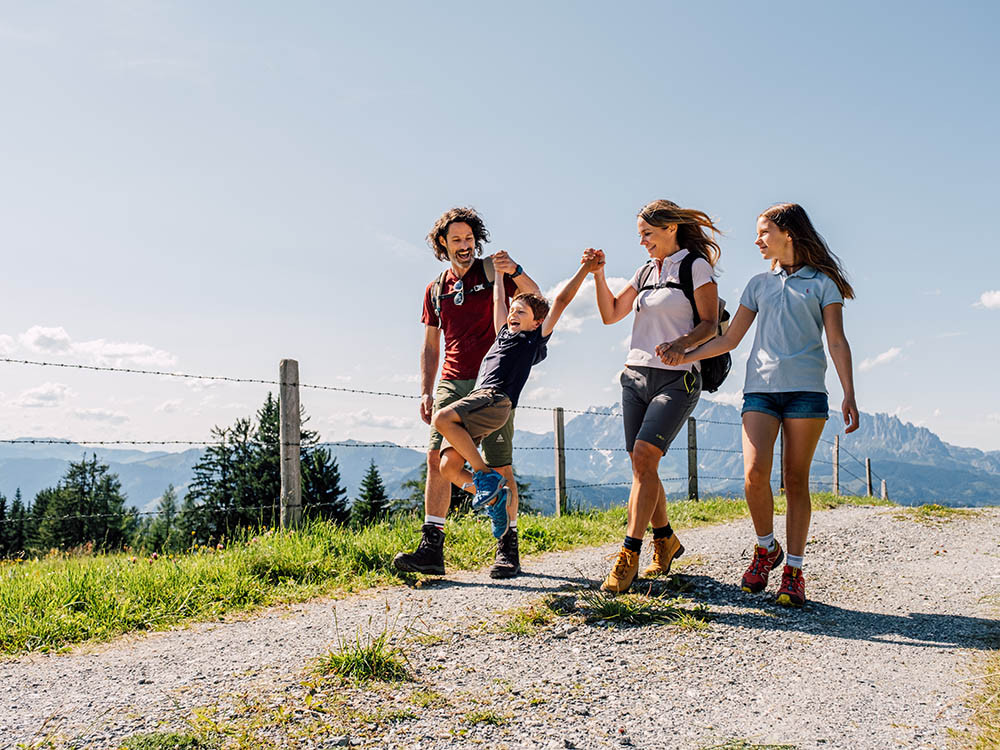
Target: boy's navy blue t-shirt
{"points": [[507, 364]]}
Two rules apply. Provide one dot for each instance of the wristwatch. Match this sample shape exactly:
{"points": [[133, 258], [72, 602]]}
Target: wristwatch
{"points": [[517, 271]]}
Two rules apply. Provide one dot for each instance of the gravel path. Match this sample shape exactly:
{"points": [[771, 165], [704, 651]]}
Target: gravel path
{"points": [[876, 659]]}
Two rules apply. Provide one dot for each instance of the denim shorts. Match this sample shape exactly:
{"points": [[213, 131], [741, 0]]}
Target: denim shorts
{"points": [[789, 405]]}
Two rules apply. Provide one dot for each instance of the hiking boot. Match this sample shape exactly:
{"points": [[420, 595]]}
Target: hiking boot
{"points": [[507, 563], [498, 513], [623, 573], [755, 579], [488, 485], [793, 587], [428, 558], [665, 551]]}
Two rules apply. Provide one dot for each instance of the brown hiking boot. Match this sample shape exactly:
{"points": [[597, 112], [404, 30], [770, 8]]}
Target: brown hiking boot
{"points": [[623, 573], [428, 558], [507, 563], [665, 551]]}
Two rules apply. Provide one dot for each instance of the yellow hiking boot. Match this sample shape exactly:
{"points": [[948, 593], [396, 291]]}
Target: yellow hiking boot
{"points": [[623, 573], [665, 551]]}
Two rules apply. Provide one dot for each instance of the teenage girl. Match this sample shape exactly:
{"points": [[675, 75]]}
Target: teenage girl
{"points": [[799, 299], [658, 397]]}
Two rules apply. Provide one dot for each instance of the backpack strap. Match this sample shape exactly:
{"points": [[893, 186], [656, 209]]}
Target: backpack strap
{"points": [[644, 274], [687, 283], [436, 286]]}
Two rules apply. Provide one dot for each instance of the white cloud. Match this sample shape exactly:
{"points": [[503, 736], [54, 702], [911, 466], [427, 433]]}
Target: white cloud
{"points": [[584, 304], [885, 357], [46, 340], [729, 399], [990, 299], [46, 395], [365, 418], [993, 417], [401, 247], [899, 411], [100, 415], [101, 352], [541, 393], [169, 407]]}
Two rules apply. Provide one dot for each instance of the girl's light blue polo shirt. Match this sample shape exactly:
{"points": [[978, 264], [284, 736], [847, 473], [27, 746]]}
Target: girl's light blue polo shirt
{"points": [[787, 353]]}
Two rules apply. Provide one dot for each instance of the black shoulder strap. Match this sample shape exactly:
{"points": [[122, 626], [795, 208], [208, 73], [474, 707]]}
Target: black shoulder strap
{"points": [[436, 288], [644, 275], [687, 283]]}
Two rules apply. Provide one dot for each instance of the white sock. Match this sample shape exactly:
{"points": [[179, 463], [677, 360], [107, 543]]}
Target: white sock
{"points": [[794, 561], [767, 542], [512, 524], [435, 521]]}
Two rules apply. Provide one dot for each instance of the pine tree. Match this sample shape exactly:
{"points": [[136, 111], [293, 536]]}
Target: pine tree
{"points": [[322, 494], [16, 531], [163, 528], [4, 523], [372, 504], [86, 507]]}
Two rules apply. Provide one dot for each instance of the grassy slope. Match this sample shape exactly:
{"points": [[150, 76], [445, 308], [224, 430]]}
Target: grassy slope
{"points": [[58, 601]]}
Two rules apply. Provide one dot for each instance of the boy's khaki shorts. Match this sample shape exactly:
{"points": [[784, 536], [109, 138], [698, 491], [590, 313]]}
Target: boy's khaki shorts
{"points": [[482, 412], [498, 446]]}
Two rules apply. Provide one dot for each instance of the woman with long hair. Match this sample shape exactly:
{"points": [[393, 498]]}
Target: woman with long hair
{"points": [[799, 299], [657, 397]]}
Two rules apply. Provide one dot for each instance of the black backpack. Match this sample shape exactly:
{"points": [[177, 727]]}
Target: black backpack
{"points": [[713, 369]]}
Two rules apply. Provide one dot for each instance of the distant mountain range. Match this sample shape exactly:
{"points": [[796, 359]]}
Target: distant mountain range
{"points": [[918, 466]]}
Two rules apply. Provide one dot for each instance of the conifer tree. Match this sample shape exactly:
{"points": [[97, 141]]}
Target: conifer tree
{"points": [[4, 522], [16, 532], [372, 503]]}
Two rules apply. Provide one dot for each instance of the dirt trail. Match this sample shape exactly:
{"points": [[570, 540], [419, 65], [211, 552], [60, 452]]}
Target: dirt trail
{"points": [[876, 659]]}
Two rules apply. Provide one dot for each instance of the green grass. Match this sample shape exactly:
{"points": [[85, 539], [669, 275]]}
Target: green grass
{"points": [[484, 717], [933, 514], [54, 602], [365, 658], [167, 741]]}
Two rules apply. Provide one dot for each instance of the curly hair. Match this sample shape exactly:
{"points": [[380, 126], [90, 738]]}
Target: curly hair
{"points": [[467, 215], [809, 246], [692, 227]]}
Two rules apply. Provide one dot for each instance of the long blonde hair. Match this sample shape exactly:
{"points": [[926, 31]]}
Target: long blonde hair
{"points": [[810, 248], [693, 227]]}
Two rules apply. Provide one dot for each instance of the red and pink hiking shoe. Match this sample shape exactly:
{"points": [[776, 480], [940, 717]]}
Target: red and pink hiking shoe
{"points": [[755, 579], [793, 588]]}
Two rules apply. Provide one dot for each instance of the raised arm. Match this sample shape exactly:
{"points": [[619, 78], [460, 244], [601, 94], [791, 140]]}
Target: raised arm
{"points": [[429, 356], [612, 308], [568, 292], [840, 353], [499, 302], [728, 341], [502, 262]]}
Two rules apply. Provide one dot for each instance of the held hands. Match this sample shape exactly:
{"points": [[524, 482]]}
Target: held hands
{"points": [[503, 263], [592, 260], [426, 407], [670, 353], [850, 411]]}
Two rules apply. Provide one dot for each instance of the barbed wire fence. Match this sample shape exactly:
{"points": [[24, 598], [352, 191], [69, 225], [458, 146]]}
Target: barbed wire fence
{"points": [[289, 503]]}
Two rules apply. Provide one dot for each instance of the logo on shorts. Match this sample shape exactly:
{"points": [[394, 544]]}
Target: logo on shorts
{"points": [[499, 439]]}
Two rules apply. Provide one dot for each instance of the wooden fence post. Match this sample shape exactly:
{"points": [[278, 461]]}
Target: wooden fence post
{"points": [[559, 429], [868, 475], [836, 464], [289, 435], [885, 491], [692, 459]]}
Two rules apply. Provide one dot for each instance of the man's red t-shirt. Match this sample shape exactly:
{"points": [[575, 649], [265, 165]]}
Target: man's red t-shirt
{"points": [[468, 328]]}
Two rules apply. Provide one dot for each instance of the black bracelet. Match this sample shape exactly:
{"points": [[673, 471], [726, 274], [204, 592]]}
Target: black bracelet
{"points": [[517, 271]]}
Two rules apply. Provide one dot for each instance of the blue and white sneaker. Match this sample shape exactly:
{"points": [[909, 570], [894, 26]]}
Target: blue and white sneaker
{"points": [[488, 485], [498, 513]]}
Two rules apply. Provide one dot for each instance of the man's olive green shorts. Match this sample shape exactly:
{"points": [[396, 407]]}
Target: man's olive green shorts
{"points": [[498, 447]]}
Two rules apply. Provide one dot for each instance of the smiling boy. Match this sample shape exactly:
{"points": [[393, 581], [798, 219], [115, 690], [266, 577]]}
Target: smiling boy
{"points": [[522, 335]]}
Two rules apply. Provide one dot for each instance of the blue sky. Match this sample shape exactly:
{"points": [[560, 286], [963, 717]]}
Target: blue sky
{"points": [[212, 187]]}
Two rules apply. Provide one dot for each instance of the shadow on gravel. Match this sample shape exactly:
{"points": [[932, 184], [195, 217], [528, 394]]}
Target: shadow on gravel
{"points": [[510, 584], [817, 618]]}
